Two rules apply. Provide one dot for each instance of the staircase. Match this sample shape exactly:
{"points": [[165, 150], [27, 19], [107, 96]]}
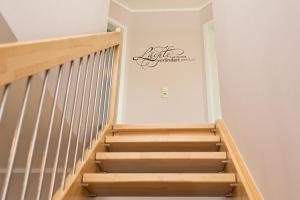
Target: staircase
{"points": [[82, 152], [161, 161]]}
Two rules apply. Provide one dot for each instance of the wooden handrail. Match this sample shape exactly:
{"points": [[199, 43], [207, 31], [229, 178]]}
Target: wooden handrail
{"points": [[244, 178], [22, 59]]}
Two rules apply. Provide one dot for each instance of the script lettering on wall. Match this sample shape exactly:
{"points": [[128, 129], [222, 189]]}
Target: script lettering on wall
{"points": [[161, 54]]}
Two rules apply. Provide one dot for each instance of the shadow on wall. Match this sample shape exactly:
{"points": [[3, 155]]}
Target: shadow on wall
{"points": [[9, 122], [11, 116], [7, 128], [6, 35]]}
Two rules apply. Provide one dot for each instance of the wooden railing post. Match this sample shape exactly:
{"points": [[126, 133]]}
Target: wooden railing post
{"points": [[115, 84]]}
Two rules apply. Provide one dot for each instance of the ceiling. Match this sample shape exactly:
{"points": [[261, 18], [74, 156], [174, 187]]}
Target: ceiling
{"points": [[161, 4]]}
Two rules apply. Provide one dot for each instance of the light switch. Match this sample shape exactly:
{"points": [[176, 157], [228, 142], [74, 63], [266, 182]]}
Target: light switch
{"points": [[164, 92]]}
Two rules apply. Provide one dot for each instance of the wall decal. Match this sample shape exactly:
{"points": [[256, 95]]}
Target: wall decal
{"points": [[161, 54]]}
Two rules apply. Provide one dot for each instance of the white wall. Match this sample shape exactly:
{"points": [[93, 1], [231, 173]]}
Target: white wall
{"points": [[185, 80], [258, 47], [35, 19]]}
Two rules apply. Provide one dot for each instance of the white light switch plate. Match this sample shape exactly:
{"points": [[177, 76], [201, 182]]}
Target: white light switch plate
{"points": [[164, 92]]}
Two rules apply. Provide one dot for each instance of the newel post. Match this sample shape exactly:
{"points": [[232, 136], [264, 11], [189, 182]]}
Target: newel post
{"points": [[115, 83]]}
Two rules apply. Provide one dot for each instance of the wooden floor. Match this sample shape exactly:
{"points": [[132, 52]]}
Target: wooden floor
{"points": [[167, 184]]}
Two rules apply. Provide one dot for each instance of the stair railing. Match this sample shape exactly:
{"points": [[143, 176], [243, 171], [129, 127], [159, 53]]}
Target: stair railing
{"points": [[83, 74]]}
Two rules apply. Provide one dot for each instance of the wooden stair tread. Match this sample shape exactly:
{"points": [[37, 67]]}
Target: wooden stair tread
{"points": [[161, 162], [163, 139], [159, 177], [161, 184], [163, 143], [163, 127], [162, 133], [160, 155]]}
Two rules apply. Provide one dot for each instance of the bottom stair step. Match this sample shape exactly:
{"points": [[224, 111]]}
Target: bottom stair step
{"points": [[160, 184]]}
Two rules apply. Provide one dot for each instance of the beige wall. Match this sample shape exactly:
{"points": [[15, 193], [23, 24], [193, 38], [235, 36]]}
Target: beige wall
{"points": [[187, 98], [258, 48], [185, 80], [186, 101]]}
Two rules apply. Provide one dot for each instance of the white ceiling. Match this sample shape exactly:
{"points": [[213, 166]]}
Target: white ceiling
{"points": [[162, 4]]}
